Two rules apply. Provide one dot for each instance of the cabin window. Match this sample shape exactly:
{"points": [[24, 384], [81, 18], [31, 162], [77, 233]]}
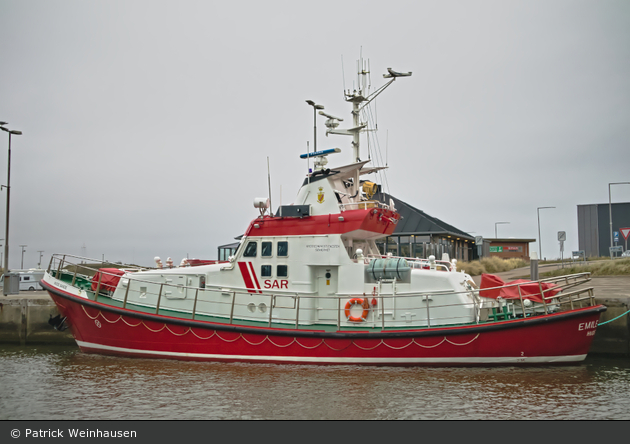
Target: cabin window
{"points": [[265, 270], [27, 278], [250, 250], [266, 249], [283, 248], [282, 271]]}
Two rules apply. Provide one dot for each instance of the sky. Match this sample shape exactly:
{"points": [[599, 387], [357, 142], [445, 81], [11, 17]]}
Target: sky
{"points": [[150, 126]]}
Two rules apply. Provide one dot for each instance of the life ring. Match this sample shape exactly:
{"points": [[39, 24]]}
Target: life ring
{"points": [[356, 301]]}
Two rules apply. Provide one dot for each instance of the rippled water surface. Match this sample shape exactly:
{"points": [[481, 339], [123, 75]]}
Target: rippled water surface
{"points": [[61, 383]]}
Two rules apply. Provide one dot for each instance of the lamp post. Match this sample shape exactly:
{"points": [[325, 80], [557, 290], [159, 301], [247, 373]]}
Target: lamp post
{"points": [[315, 108], [539, 239], [8, 187], [495, 227], [610, 208]]}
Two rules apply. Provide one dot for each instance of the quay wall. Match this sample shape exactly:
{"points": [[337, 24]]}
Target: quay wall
{"points": [[613, 336], [24, 320]]}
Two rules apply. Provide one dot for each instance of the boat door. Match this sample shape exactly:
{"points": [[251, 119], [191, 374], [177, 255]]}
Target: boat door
{"points": [[327, 306]]}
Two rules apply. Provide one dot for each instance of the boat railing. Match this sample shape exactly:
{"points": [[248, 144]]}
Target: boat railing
{"points": [[290, 309], [363, 205], [416, 262]]}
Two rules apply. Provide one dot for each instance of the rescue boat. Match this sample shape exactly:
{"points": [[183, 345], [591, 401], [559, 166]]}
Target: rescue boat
{"points": [[308, 285]]}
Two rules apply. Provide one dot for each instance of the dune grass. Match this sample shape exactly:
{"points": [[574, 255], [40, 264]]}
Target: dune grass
{"points": [[616, 267], [491, 265], [597, 267]]}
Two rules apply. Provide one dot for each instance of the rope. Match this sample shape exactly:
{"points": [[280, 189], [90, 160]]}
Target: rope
{"points": [[610, 320], [294, 341]]}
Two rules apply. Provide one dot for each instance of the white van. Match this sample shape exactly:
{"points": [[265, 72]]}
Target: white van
{"points": [[29, 280]]}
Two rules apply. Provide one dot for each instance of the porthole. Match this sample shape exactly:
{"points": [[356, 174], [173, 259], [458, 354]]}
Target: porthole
{"points": [[251, 307], [262, 307]]}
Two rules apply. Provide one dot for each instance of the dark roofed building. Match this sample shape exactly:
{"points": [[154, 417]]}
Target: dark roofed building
{"points": [[419, 235]]}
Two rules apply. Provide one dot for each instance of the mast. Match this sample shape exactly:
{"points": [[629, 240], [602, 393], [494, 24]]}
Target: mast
{"points": [[360, 99]]}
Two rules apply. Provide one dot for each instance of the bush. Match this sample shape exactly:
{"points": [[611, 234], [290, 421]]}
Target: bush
{"points": [[491, 265]]}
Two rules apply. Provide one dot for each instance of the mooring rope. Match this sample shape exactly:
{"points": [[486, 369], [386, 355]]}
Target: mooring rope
{"points": [[610, 320]]}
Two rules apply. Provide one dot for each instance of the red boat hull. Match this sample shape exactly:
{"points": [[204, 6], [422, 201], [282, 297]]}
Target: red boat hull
{"points": [[556, 338]]}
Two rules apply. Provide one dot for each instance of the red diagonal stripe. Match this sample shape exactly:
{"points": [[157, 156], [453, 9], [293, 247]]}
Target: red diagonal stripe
{"points": [[246, 277], [255, 278]]}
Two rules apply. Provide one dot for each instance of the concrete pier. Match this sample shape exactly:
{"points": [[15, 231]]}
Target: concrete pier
{"points": [[24, 320], [24, 317]]}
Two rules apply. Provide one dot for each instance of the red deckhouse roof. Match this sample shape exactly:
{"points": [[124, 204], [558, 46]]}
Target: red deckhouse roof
{"points": [[376, 220]]}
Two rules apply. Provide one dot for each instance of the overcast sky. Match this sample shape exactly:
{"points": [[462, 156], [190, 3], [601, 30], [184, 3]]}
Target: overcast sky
{"points": [[147, 125]]}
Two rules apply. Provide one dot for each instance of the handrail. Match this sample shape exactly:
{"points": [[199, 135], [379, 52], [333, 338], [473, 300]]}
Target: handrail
{"points": [[414, 261], [364, 204], [241, 296], [583, 275]]}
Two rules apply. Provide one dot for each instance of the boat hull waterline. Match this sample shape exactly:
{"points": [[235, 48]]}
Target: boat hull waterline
{"points": [[103, 329]]}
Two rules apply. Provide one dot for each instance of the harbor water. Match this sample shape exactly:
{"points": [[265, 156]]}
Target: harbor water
{"points": [[62, 383]]}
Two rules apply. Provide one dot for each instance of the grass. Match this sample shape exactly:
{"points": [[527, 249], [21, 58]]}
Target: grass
{"points": [[616, 267], [491, 265], [568, 259], [596, 266]]}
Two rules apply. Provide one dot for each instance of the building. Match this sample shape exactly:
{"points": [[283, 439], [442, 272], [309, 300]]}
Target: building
{"points": [[594, 227], [419, 235]]}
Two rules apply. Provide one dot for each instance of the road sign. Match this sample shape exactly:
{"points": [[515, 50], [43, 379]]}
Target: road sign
{"points": [[562, 236], [625, 232], [616, 235], [479, 239], [578, 254]]}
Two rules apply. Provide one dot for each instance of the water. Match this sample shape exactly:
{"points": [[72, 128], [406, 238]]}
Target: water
{"points": [[61, 383]]}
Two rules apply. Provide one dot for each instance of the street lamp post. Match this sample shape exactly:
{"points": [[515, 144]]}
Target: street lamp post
{"points": [[610, 208], [315, 108], [495, 228], [539, 240], [8, 187]]}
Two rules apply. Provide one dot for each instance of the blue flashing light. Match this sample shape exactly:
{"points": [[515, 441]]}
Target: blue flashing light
{"points": [[320, 153]]}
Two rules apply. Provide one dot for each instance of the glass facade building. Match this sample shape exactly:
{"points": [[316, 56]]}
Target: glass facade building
{"points": [[418, 234]]}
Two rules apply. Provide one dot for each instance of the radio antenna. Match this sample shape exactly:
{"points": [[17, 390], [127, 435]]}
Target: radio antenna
{"points": [[386, 147], [343, 76], [269, 180]]}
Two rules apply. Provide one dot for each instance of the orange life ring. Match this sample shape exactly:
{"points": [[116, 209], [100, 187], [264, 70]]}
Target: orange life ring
{"points": [[356, 301]]}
